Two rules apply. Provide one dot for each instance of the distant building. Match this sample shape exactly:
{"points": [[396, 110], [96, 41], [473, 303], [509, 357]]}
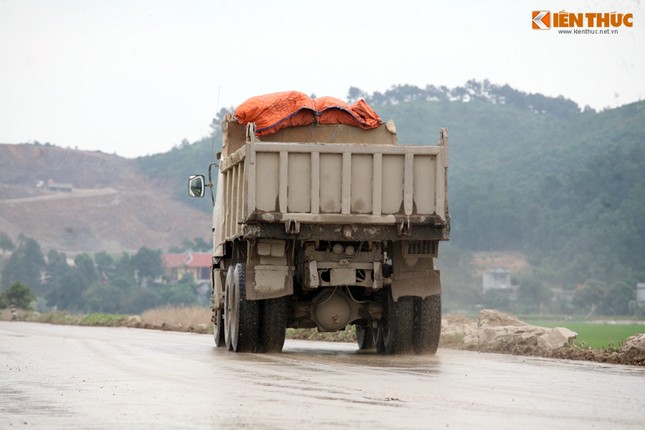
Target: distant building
{"points": [[55, 186], [498, 279], [640, 294], [198, 264]]}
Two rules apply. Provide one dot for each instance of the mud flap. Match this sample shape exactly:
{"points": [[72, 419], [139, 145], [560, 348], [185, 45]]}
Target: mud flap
{"points": [[268, 282], [217, 290], [414, 276]]}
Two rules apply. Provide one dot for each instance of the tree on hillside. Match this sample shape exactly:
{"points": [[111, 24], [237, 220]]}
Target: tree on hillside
{"points": [[180, 294], [64, 285], [589, 297], [55, 268], [146, 263], [484, 91], [104, 298], [25, 265], [105, 266], [354, 94], [142, 299], [533, 295], [6, 244], [216, 124], [18, 295], [618, 296], [593, 214], [124, 267], [67, 293], [85, 268], [436, 94], [600, 298]]}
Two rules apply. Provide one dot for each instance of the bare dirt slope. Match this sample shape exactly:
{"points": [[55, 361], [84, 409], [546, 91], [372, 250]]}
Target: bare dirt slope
{"points": [[113, 206]]}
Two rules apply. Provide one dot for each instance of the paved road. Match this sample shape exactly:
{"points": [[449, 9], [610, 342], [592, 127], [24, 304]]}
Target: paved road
{"points": [[111, 378]]}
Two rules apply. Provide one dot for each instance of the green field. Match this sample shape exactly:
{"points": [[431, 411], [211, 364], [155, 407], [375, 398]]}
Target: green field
{"points": [[597, 334]]}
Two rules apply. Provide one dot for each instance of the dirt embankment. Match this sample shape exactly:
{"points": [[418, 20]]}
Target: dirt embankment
{"points": [[502, 333]]}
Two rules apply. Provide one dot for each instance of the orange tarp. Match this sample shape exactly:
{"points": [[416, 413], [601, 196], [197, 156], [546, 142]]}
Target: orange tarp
{"points": [[273, 112], [335, 111]]}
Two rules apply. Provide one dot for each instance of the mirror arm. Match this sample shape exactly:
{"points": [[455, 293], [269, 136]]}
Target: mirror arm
{"points": [[210, 180]]}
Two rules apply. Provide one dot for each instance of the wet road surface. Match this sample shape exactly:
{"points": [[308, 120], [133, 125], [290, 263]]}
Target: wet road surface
{"points": [[105, 378]]}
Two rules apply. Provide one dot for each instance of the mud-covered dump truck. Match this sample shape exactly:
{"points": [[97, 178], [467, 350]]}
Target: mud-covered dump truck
{"points": [[326, 225]]}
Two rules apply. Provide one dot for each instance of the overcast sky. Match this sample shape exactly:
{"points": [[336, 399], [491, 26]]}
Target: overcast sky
{"points": [[135, 77]]}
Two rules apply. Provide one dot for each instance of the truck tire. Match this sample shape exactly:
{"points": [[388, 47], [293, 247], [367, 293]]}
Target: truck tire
{"points": [[228, 293], [427, 324], [274, 314], [365, 337], [396, 327], [241, 314]]}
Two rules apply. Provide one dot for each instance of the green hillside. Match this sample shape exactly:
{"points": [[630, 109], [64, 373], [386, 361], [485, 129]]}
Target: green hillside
{"points": [[528, 173], [564, 187], [179, 163]]}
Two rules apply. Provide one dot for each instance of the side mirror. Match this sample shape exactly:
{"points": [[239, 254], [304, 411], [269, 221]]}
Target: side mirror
{"points": [[196, 186]]}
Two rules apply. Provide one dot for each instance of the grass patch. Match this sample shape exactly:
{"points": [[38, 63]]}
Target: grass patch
{"points": [[53, 317], [98, 319], [184, 316], [597, 335]]}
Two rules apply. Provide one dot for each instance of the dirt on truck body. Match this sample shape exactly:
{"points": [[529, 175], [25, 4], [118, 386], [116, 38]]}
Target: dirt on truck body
{"points": [[327, 225]]}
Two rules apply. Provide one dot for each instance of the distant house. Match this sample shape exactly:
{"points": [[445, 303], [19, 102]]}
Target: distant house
{"points": [[640, 294], [498, 279], [198, 264]]}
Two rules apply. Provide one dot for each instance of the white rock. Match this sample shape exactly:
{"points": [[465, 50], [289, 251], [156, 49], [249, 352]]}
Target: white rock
{"points": [[635, 342], [556, 338], [493, 318], [500, 332]]}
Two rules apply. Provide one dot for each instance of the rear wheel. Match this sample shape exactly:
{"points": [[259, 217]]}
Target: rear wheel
{"points": [[427, 324], [274, 314], [228, 296], [241, 314], [396, 327]]}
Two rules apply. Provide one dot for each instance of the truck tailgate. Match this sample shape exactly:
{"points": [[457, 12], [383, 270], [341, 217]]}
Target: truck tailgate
{"points": [[335, 183]]}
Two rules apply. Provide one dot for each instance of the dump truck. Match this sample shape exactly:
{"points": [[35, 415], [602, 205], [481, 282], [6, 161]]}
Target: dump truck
{"points": [[326, 226]]}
